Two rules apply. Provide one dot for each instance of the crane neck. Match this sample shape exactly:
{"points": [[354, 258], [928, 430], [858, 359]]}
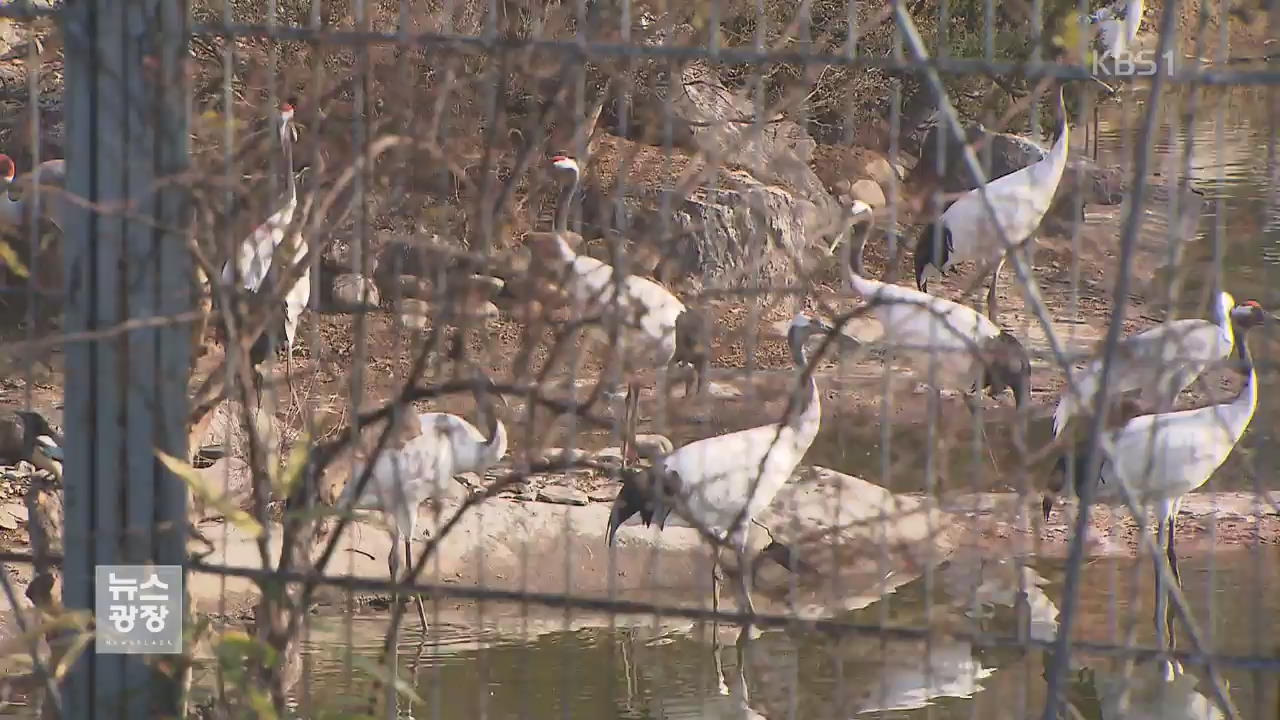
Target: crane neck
{"points": [[809, 395], [1249, 393], [495, 446], [286, 144], [10, 210], [564, 203]]}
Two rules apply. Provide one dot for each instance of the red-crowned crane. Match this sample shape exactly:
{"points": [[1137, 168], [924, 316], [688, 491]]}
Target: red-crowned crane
{"points": [[1160, 362], [655, 329], [721, 483], [1163, 456], [254, 259], [972, 353], [423, 455], [964, 231], [1117, 34], [50, 175]]}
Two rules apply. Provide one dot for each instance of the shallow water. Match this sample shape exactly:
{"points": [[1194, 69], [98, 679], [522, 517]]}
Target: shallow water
{"points": [[511, 665]]}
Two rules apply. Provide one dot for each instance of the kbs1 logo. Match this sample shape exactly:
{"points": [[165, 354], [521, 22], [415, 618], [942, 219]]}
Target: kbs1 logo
{"points": [[1140, 63]]}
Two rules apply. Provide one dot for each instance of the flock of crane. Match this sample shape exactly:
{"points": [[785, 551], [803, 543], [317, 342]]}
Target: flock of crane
{"points": [[721, 483]]}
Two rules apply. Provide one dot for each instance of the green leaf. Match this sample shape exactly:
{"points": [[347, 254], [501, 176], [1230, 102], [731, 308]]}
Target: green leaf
{"points": [[196, 482], [11, 259], [261, 704], [1069, 35]]}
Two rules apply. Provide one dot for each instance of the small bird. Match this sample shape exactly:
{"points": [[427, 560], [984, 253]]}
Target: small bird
{"points": [[27, 435], [655, 329], [721, 483], [50, 175], [972, 353], [1160, 362], [1163, 456], [419, 462], [964, 231]]}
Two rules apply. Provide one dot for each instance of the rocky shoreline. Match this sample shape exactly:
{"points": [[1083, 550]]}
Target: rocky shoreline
{"points": [[553, 541]]}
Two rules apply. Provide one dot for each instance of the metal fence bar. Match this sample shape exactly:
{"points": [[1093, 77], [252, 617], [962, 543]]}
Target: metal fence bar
{"points": [[126, 396]]}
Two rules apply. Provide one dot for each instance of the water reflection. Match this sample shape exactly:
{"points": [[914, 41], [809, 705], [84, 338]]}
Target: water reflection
{"points": [[1145, 694], [519, 664], [977, 581]]}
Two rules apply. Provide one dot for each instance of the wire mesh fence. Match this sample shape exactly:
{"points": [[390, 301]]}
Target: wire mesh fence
{"points": [[624, 358]]}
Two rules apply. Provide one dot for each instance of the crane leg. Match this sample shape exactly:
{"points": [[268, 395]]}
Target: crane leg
{"points": [[992, 311], [744, 589], [393, 567], [1163, 618], [715, 582], [288, 372], [629, 421], [422, 608], [1173, 568]]}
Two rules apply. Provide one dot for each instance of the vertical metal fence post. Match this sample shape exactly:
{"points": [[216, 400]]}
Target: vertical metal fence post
{"points": [[126, 259]]}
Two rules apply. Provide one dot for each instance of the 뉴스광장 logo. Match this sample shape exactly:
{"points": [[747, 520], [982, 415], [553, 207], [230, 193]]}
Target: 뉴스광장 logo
{"points": [[138, 609]]}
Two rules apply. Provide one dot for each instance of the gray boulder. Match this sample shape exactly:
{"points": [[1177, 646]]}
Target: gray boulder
{"points": [[1009, 153]]}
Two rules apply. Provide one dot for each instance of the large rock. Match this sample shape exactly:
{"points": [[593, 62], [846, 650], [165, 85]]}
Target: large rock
{"points": [[708, 118], [228, 484], [837, 529], [732, 228], [742, 235], [1010, 153], [225, 424], [354, 293], [835, 165], [869, 192]]}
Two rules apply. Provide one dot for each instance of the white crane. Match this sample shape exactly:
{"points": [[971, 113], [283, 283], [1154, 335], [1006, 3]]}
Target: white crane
{"points": [[964, 231], [721, 483], [1115, 39], [655, 329], [1117, 34], [419, 462], [1163, 456], [1160, 362], [972, 353], [50, 175], [1150, 692], [254, 259]]}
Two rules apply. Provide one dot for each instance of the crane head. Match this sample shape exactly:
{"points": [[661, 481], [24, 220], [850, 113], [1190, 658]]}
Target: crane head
{"points": [[1007, 366], [804, 326], [1057, 481], [8, 169], [565, 163], [1250, 314]]}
